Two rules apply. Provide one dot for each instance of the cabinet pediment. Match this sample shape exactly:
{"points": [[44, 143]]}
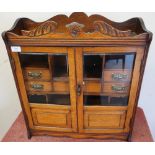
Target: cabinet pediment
{"points": [[78, 26]]}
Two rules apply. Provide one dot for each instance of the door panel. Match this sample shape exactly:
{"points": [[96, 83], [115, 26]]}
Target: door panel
{"points": [[50, 81], [49, 118], [104, 119], [104, 81]]}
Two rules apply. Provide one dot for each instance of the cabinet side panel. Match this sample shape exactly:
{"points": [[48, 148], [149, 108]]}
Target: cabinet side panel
{"points": [[22, 89]]}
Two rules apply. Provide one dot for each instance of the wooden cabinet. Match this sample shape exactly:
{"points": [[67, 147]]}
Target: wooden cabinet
{"points": [[78, 76]]}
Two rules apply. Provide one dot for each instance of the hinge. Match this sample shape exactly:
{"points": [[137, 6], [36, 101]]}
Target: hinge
{"points": [[13, 64]]}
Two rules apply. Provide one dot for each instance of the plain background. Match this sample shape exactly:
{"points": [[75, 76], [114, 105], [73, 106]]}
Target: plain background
{"points": [[9, 102]]}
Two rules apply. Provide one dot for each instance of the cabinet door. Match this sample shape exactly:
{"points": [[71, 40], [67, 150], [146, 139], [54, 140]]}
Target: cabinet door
{"points": [[47, 81], [107, 81]]}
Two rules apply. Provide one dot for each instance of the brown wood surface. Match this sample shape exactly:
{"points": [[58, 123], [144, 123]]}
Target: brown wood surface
{"points": [[51, 118], [108, 75], [46, 86], [45, 74]]}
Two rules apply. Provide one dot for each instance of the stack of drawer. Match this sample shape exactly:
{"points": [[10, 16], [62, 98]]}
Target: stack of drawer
{"points": [[114, 81], [40, 80], [37, 79]]}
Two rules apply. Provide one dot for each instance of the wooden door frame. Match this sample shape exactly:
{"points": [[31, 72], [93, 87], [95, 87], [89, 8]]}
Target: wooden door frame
{"points": [[134, 83], [21, 84]]}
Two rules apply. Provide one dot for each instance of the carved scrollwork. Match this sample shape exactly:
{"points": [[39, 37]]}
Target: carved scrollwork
{"points": [[107, 29], [44, 28], [75, 28]]}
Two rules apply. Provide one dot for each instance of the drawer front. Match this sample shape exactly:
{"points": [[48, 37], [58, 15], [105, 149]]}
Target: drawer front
{"points": [[117, 75], [104, 119], [116, 88], [51, 118], [91, 87], [37, 86], [37, 74], [61, 86]]}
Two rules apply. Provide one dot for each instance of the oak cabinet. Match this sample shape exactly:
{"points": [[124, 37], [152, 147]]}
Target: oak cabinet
{"points": [[78, 77]]}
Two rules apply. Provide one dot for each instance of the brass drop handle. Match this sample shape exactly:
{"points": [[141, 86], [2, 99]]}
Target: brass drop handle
{"points": [[119, 88], [37, 86], [78, 89], [35, 75], [119, 76]]}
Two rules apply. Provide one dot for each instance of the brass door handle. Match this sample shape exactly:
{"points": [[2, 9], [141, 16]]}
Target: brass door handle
{"points": [[78, 89]]}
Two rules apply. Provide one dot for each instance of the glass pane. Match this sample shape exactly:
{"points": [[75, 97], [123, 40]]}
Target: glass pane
{"points": [[100, 100], [92, 66], [58, 99], [119, 61], [59, 65], [95, 100], [46, 78], [34, 98], [119, 101], [34, 60], [101, 73]]}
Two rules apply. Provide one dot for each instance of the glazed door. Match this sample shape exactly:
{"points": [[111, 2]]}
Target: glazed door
{"points": [[47, 82], [106, 83]]}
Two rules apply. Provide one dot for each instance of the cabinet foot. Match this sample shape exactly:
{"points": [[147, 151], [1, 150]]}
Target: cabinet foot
{"points": [[29, 135], [129, 138]]}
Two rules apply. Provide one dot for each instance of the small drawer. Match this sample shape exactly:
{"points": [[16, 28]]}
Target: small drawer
{"points": [[37, 74], [34, 86], [117, 75], [92, 87], [116, 88]]}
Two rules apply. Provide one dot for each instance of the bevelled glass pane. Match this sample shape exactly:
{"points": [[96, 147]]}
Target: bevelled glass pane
{"points": [[34, 98], [60, 99], [34, 60], [59, 65], [92, 66], [119, 61]]}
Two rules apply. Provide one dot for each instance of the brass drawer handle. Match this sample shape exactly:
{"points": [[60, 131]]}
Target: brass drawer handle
{"points": [[119, 88], [37, 86], [35, 75], [119, 76]]}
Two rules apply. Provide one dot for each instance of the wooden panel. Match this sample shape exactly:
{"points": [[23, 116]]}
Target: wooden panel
{"points": [[72, 86], [46, 86], [22, 90], [134, 87], [52, 118], [61, 86], [44, 74], [117, 75], [103, 120], [116, 87], [79, 73], [92, 86], [109, 50], [37, 49], [49, 106]]}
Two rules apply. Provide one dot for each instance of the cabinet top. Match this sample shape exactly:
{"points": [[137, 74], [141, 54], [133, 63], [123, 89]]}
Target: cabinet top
{"points": [[77, 29]]}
